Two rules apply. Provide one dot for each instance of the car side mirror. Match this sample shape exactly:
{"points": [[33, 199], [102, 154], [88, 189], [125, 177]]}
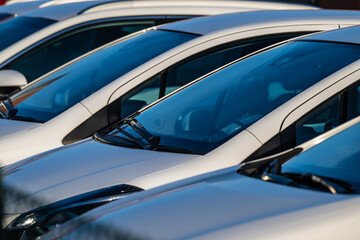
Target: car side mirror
{"points": [[12, 78]]}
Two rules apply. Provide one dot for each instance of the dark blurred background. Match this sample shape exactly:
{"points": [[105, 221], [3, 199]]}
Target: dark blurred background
{"points": [[339, 4]]}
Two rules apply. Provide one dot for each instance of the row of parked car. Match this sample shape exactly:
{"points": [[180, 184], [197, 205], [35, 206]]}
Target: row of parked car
{"points": [[179, 120]]}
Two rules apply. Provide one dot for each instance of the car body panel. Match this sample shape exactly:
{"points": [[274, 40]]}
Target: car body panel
{"points": [[285, 116], [247, 5], [262, 19], [224, 204], [32, 139], [18, 8], [129, 164], [121, 8], [62, 11], [347, 36], [197, 210], [108, 94], [228, 154], [13, 127]]}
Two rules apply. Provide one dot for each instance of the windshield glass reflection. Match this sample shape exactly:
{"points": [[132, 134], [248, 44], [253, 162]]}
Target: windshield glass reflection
{"points": [[203, 116], [17, 28], [54, 94]]}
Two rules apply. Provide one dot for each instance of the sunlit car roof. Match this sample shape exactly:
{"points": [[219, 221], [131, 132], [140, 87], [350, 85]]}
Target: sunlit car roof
{"points": [[345, 35], [205, 25], [16, 8], [63, 11]]}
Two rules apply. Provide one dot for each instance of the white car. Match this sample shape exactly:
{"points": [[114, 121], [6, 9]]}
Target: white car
{"points": [[41, 40], [38, 41], [271, 101], [310, 192], [86, 96]]}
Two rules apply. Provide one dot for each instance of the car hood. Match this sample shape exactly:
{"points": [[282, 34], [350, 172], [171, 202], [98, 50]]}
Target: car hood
{"points": [[197, 209], [76, 169], [9, 127]]}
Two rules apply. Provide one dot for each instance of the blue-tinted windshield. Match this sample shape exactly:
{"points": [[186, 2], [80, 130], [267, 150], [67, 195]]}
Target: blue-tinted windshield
{"points": [[18, 28], [4, 16], [206, 114], [337, 157], [56, 93]]}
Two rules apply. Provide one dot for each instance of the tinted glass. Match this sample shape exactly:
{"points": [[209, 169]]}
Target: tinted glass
{"points": [[203, 116], [186, 72], [71, 45], [49, 97], [140, 96], [18, 28], [337, 157], [3, 16], [353, 102], [322, 119]]}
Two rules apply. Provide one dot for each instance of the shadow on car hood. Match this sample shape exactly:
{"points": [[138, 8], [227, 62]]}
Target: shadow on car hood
{"points": [[9, 127], [197, 209], [78, 168]]}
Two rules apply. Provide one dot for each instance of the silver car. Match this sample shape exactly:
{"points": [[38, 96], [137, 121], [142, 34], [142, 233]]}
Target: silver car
{"points": [[308, 192]]}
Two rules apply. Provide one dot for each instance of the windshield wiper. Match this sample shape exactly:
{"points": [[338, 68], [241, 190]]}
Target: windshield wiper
{"points": [[116, 140], [330, 184], [141, 130], [10, 111], [308, 179]]}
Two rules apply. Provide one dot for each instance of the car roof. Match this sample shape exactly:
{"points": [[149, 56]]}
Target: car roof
{"points": [[344, 35], [209, 24], [63, 11], [19, 7], [246, 5], [58, 10]]}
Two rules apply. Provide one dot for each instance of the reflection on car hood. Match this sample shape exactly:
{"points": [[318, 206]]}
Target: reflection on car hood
{"points": [[9, 127], [197, 209], [78, 168]]}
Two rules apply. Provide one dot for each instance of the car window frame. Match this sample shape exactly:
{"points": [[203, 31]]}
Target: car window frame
{"points": [[159, 19], [286, 137]]}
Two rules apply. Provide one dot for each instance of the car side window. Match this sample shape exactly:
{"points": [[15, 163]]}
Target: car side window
{"points": [[329, 114], [140, 96], [186, 71], [320, 120], [353, 102], [71, 45]]}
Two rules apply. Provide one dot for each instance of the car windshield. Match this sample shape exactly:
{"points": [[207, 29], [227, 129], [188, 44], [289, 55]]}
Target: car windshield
{"points": [[211, 111], [335, 158], [18, 28], [4, 16], [54, 94]]}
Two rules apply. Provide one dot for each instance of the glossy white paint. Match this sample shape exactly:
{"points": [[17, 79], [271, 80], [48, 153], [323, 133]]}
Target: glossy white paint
{"points": [[20, 7], [62, 11], [10, 78], [13, 127], [249, 25], [97, 10], [226, 205], [110, 165], [246, 5]]}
